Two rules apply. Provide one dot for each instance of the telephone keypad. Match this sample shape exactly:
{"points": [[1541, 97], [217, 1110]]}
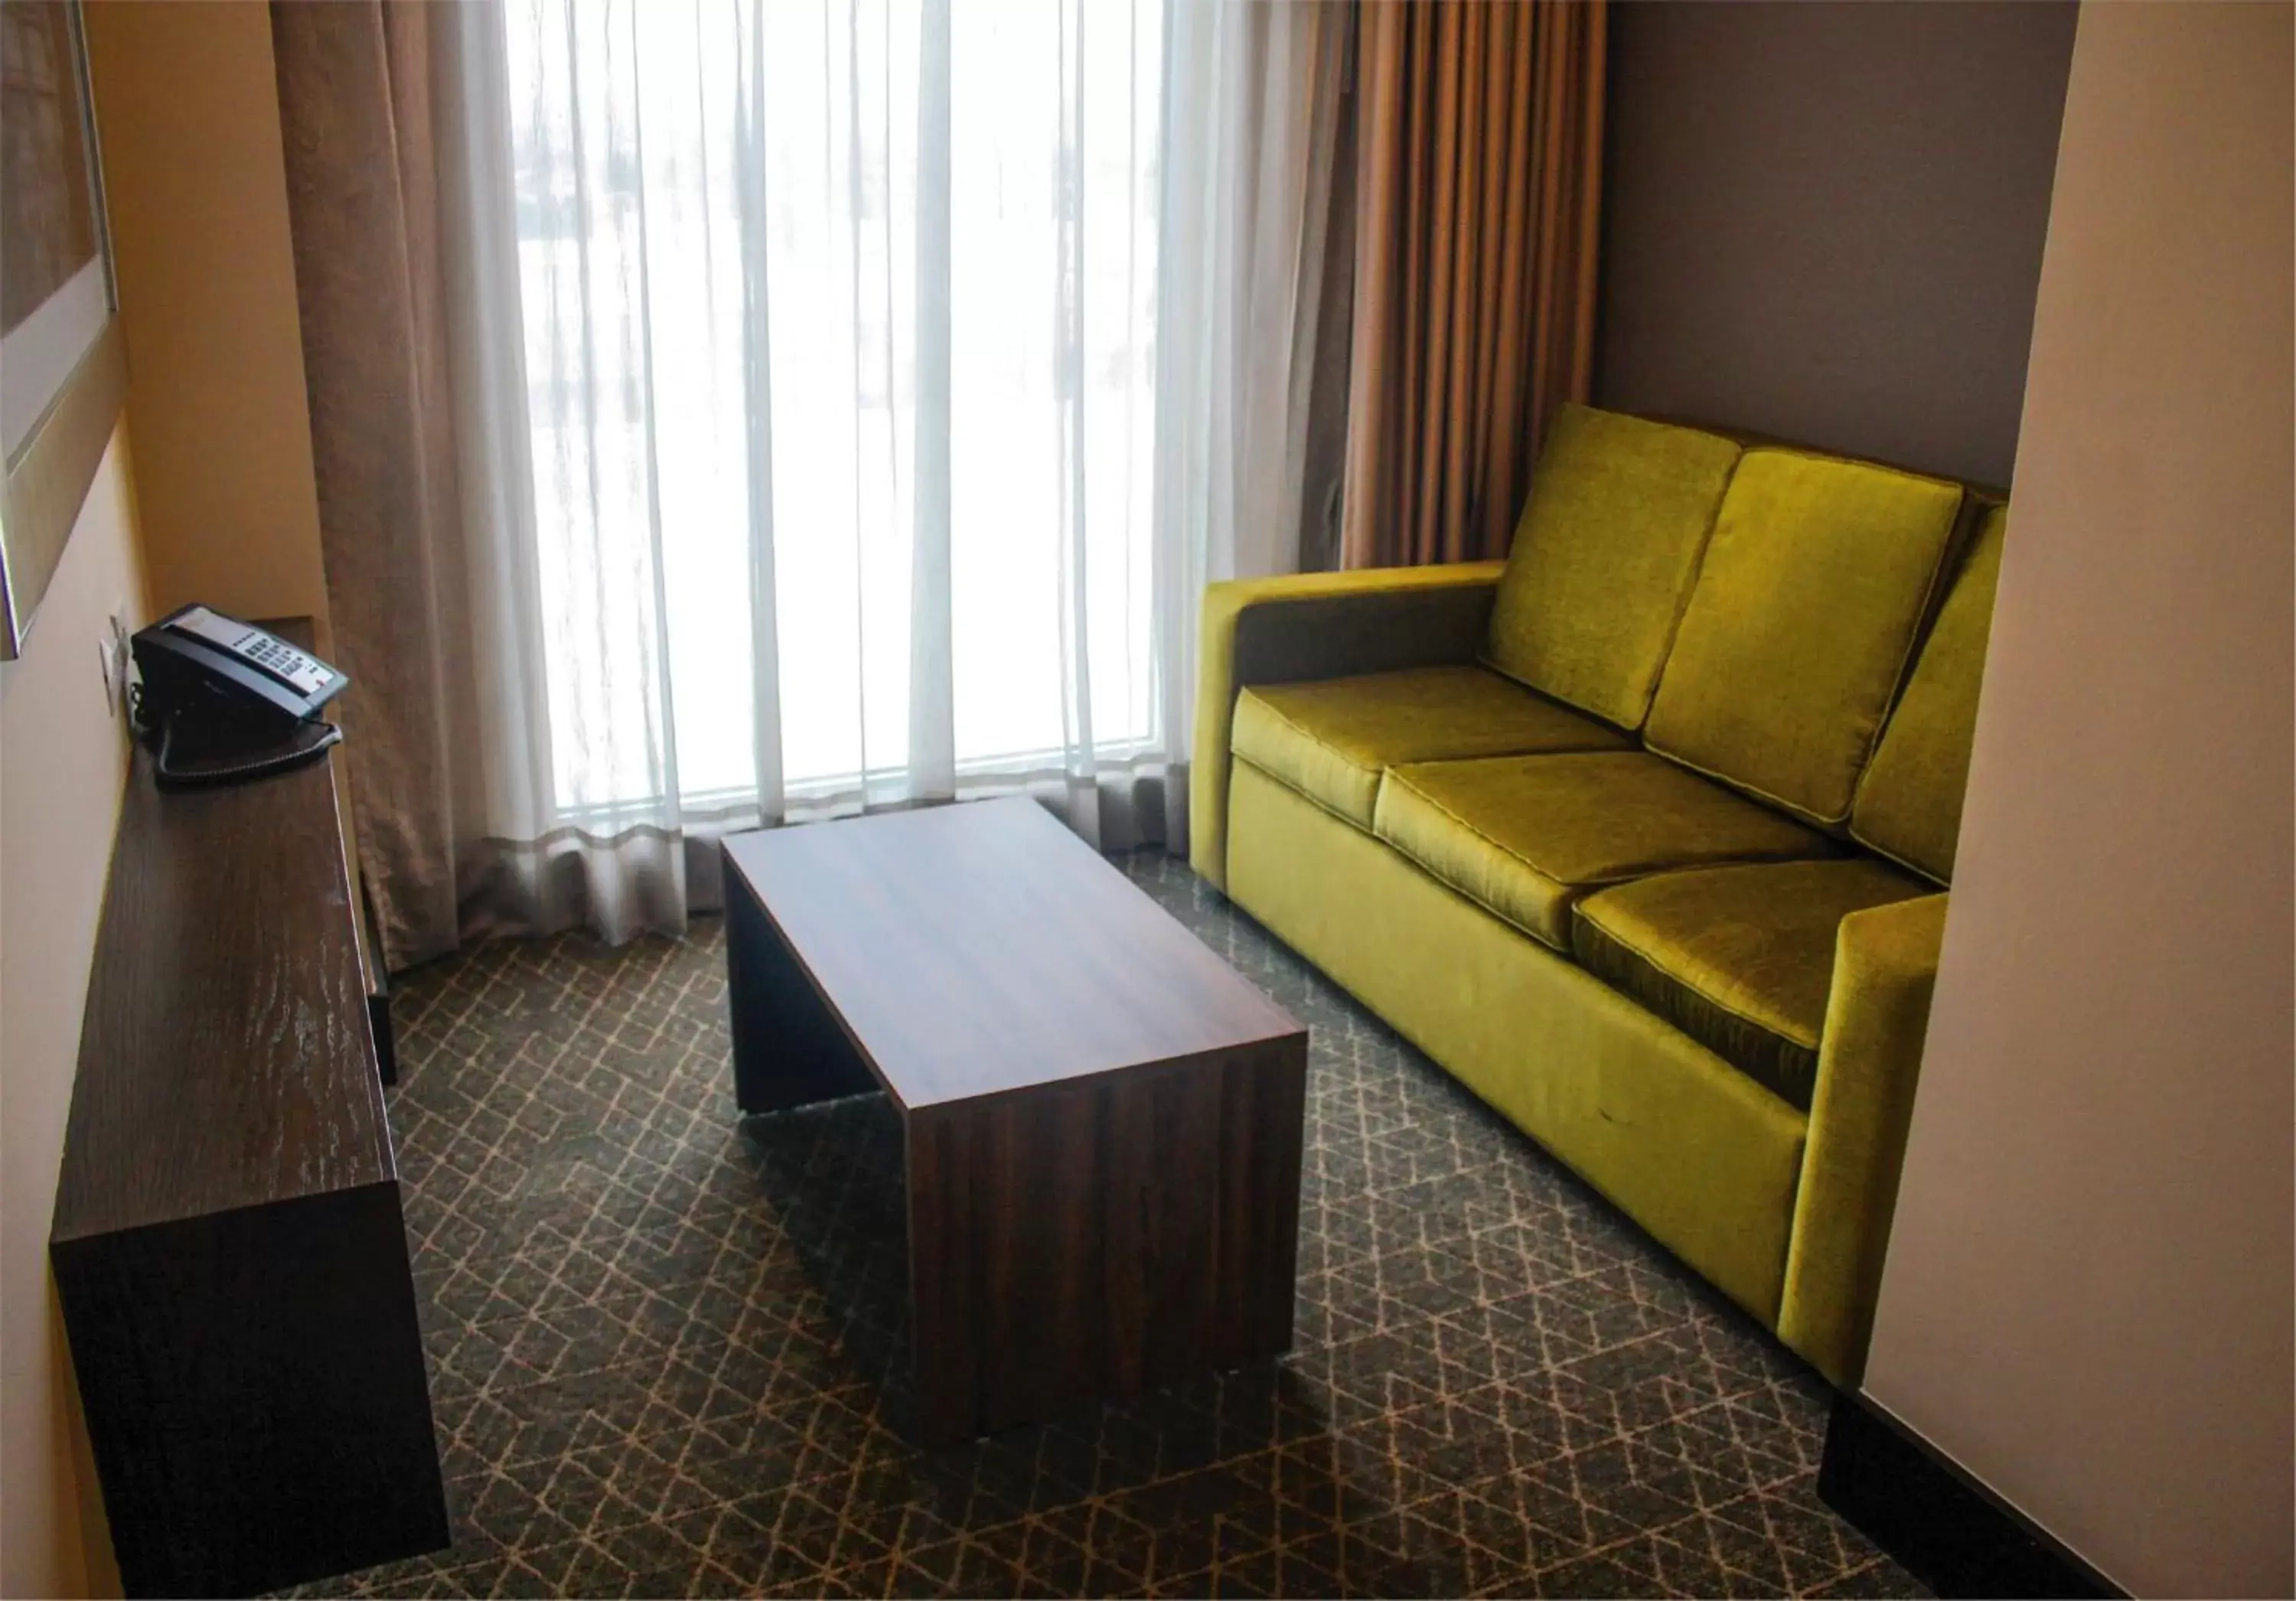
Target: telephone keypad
{"points": [[304, 673]]}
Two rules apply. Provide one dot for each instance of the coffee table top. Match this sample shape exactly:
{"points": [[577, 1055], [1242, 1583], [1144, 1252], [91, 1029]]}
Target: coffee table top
{"points": [[975, 950]]}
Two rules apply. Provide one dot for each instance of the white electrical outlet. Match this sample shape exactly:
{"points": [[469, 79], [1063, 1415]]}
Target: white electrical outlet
{"points": [[113, 648]]}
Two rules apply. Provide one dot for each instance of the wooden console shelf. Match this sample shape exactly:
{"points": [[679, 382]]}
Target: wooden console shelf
{"points": [[228, 1243]]}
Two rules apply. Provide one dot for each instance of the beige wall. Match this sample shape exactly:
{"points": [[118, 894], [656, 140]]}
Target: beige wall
{"points": [[224, 500], [2087, 1300], [63, 762], [188, 113]]}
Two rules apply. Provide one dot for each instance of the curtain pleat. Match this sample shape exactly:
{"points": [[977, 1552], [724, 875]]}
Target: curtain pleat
{"points": [[1478, 171], [362, 189]]}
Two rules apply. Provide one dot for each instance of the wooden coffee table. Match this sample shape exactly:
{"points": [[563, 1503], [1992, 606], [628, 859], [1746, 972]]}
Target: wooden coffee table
{"points": [[1103, 1121]]}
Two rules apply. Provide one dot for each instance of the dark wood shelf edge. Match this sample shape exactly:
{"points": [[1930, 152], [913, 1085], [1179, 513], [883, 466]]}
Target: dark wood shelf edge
{"points": [[378, 986], [228, 1240], [269, 1361]]}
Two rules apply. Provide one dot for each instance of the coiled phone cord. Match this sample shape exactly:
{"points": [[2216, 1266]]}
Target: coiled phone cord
{"points": [[276, 761]]}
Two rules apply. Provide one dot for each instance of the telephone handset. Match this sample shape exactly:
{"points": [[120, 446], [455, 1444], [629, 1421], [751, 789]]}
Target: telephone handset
{"points": [[222, 702]]}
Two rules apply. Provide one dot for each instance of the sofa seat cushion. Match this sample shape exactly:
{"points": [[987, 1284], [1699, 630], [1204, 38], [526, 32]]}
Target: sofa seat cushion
{"points": [[1331, 740], [1525, 836], [1798, 634], [1738, 958]]}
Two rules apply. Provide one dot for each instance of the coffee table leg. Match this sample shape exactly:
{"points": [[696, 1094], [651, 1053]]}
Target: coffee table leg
{"points": [[1090, 1239], [788, 1049]]}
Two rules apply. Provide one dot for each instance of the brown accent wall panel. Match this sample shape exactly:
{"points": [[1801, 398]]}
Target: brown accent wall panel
{"points": [[1823, 220]]}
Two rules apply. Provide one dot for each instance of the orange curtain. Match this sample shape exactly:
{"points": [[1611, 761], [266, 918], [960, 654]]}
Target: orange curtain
{"points": [[1478, 179], [356, 87]]}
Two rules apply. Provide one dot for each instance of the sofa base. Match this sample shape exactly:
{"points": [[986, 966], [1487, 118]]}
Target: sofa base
{"points": [[1690, 1148]]}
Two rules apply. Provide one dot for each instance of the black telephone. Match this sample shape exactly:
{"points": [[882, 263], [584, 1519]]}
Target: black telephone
{"points": [[222, 702]]}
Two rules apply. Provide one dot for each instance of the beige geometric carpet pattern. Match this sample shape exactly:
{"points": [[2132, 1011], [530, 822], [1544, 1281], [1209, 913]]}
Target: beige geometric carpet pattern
{"points": [[666, 1344]]}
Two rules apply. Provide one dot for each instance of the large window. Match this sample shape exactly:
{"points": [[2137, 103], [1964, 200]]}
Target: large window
{"points": [[839, 336]]}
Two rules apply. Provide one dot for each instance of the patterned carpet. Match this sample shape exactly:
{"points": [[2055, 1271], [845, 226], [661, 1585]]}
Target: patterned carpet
{"points": [[667, 1346]]}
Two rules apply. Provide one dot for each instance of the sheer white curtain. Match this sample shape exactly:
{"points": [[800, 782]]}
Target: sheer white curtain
{"points": [[854, 397]]}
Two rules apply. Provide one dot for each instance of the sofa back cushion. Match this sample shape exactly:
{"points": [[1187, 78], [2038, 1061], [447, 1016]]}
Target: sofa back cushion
{"points": [[1909, 804], [1604, 558], [1813, 590]]}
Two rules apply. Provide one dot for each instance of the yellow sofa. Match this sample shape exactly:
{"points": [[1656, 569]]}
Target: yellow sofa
{"points": [[1642, 834]]}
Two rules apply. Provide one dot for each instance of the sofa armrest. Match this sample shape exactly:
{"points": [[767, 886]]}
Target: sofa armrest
{"points": [[1317, 624], [1869, 1058]]}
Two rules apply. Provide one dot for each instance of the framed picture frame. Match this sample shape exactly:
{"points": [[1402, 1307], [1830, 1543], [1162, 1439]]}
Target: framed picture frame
{"points": [[63, 363]]}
